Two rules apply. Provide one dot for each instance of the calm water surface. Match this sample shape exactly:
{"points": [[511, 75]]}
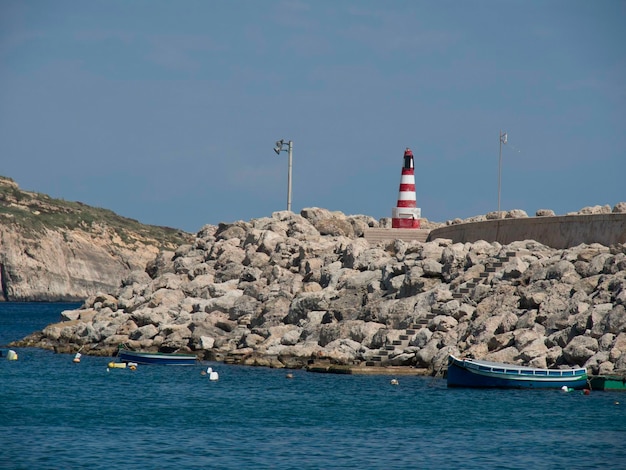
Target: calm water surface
{"points": [[55, 414]]}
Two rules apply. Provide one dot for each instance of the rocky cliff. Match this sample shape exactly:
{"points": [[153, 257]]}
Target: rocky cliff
{"points": [[285, 290], [54, 250]]}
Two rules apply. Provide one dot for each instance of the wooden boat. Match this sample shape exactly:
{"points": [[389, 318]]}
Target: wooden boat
{"points": [[608, 383], [169, 359], [487, 374]]}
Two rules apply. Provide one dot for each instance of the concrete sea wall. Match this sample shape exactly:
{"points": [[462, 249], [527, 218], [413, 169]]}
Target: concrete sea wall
{"points": [[557, 232]]}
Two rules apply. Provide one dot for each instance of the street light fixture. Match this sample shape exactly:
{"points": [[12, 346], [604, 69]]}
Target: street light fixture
{"points": [[280, 148], [503, 140]]}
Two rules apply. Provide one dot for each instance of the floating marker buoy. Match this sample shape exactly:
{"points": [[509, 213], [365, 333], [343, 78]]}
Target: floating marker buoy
{"points": [[394, 382], [11, 355], [213, 375], [76, 359], [586, 391], [117, 365], [289, 376]]}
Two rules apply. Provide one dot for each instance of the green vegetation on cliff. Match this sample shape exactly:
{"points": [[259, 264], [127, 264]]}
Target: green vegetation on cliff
{"points": [[34, 212]]}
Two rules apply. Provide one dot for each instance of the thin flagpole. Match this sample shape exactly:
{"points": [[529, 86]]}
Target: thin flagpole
{"points": [[502, 141], [500, 169]]}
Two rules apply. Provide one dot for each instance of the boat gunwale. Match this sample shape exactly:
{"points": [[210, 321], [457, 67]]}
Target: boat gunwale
{"points": [[157, 358], [160, 355]]}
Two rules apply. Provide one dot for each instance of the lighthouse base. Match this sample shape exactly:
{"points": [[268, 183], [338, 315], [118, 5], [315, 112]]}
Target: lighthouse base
{"points": [[406, 217], [405, 223]]}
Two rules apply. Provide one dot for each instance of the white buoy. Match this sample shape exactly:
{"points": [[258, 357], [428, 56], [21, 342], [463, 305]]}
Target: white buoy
{"points": [[213, 375], [11, 355], [76, 359], [394, 382]]}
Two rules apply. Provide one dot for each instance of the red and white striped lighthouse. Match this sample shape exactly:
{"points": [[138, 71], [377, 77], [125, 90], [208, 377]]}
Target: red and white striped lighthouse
{"points": [[406, 214]]}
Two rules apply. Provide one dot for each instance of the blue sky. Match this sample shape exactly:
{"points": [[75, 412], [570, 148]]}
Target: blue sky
{"points": [[167, 111]]}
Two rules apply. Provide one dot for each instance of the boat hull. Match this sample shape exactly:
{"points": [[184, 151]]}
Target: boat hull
{"points": [[608, 383], [465, 373], [157, 358]]}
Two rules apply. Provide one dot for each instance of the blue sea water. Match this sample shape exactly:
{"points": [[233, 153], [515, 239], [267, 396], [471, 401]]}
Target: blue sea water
{"points": [[55, 414]]}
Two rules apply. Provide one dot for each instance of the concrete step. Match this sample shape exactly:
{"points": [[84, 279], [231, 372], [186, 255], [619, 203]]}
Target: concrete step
{"points": [[396, 342], [410, 332], [496, 264], [457, 295], [484, 274], [404, 338], [374, 235]]}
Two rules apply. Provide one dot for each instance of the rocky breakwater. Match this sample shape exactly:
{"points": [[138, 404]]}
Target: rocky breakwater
{"points": [[285, 290]]}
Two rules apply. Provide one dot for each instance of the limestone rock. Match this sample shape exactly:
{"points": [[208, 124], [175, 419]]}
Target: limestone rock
{"points": [[620, 207], [545, 213], [580, 349]]}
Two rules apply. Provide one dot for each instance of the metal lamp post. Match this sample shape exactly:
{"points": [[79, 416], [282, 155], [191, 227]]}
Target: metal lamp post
{"points": [[503, 140], [280, 148]]}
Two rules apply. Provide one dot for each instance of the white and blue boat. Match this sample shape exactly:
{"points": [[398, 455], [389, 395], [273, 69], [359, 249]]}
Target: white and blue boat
{"points": [[486, 374], [168, 359]]}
